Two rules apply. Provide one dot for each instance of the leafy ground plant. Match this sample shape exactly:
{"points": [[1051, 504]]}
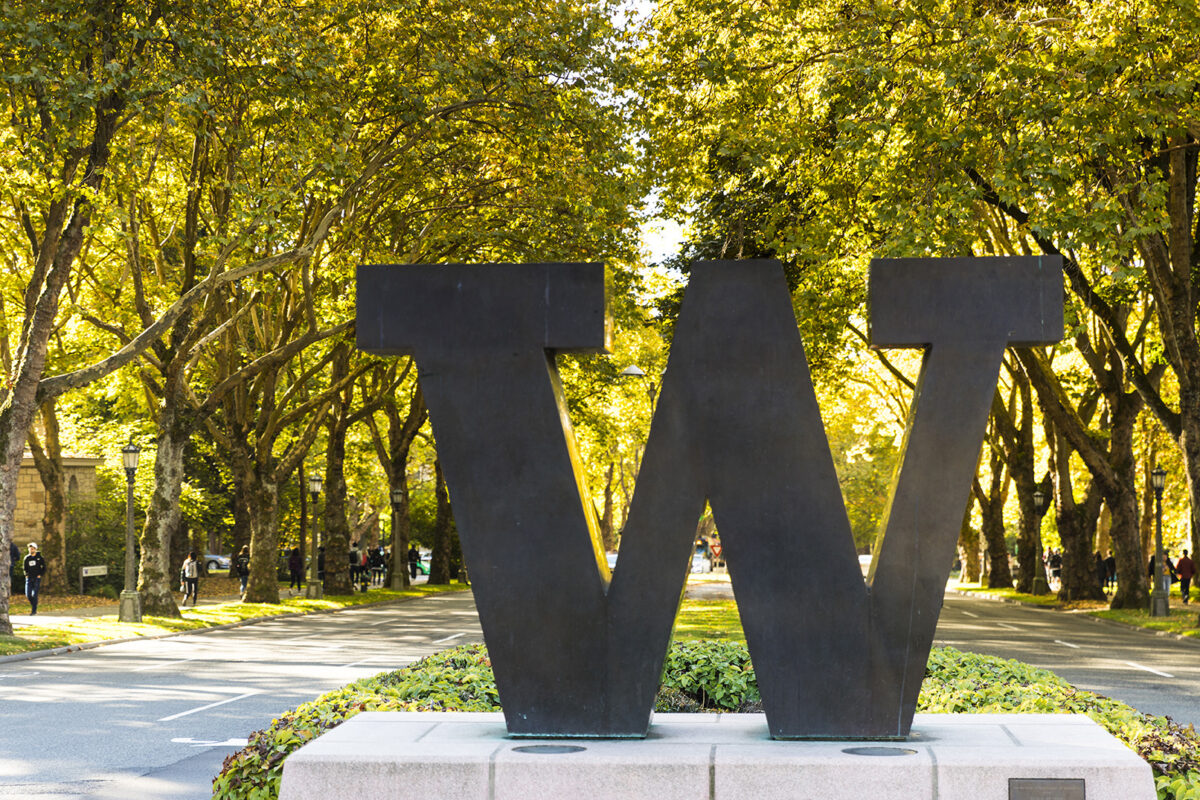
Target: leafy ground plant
{"points": [[712, 676]]}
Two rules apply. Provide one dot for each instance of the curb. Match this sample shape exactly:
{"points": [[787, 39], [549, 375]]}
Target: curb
{"points": [[71, 648], [1085, 615]]}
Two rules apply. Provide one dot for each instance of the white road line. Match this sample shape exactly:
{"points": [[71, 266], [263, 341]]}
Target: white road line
{"points": [[210, 705], [1066, 644], [447, 639], [357, 663], [164, 664], [969, 614], [1006, 625], [1147, 669], [380, 622]]}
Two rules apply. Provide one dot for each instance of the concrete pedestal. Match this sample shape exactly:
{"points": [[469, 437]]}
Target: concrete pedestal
{"points": [[130, 608], [466, 756]]}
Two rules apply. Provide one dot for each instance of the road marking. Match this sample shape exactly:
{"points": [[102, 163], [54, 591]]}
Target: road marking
{"points": [[1066, 644], [211, 743], [447, 639], [969, 614], [380, 622], [364, 661], [21, 674], [1006, 625], [1152, 671], [165, 664], [210, 705]]}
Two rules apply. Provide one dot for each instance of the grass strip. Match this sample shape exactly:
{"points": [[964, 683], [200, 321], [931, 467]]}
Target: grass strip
{"points": [[1183, 620], [61, 632]]}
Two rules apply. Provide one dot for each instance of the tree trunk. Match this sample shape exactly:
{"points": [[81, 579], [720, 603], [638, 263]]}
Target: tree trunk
{"points": [[263, 586], [1133, 589], [337, 526], [64, 220], [991, 511], [337, 529], [157, 582], [394, 458], [1189, 444], [1076, 525], [999, 571], [48, 461], [439, 560], [20, 404], [305, 528], [968, 549], [1019, 452], [607, 531], [401, 533]]}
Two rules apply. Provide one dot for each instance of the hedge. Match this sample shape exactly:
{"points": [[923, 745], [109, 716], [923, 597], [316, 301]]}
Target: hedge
{"points": [[706, 676]]}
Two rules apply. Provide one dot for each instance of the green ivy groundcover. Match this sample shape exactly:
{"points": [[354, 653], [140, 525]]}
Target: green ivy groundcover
{"points": [[713, 675]]}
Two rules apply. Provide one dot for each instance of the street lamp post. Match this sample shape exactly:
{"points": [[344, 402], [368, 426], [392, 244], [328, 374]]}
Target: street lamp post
{"points": [[1040, 506], [1160, 604], [399, 564], [314, 589], [130, 609]]}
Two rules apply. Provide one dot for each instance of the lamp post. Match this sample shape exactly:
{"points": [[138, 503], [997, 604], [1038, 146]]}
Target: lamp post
{"points": [[634, 371], [314, 590], [399, 549], [131, 602], [1040, 506], [1160, 604]]}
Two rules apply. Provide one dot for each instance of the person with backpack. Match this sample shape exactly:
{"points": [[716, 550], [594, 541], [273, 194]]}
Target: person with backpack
{"points": [[35, 568], [190, 573], [1185, 568], [295, 566], [414, 560], [241, 565]]}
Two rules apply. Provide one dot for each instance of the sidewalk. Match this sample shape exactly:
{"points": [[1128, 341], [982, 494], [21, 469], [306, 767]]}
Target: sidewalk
{"points": [[83, 615], [69, 614]]}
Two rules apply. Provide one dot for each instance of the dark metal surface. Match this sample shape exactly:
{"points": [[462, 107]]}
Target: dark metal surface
{"points": [[1046, 789], [737, 424]]}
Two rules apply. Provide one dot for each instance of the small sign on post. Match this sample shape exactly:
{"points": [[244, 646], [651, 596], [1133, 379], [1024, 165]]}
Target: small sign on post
{"points": [[718, 563], [88, 572]]}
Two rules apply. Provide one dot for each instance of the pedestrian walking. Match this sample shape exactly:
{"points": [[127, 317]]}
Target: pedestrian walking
{"points": [[1055, 567], [190, 572], [295, 568], [35, 568], [414, 559], [241, 565], [355, 563], [378, 564], [1186, 569], [1101, 570], [1110, 568]]}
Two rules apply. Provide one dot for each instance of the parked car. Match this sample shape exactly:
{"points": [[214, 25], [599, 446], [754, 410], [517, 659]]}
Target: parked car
{"points": [[215, 561]]}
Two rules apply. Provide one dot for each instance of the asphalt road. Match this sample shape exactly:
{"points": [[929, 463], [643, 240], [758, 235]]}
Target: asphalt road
{"points": [[155, 719], [1156, 674]]}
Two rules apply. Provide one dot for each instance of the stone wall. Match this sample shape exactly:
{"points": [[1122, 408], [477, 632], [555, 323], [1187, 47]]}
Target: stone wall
{"points": [[31, 496]]}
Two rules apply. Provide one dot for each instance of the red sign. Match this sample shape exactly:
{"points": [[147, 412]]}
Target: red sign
{"points": [[716, 550]]}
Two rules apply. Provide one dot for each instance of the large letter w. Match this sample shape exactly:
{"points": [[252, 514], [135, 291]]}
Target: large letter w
{"points": [[577, 653]]}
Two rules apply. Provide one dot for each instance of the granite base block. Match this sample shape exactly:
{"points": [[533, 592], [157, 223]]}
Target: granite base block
{"points": [[468, 756]]}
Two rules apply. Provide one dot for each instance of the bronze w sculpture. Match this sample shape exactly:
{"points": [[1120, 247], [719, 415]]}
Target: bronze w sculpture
{"points": [[579, 652]]}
